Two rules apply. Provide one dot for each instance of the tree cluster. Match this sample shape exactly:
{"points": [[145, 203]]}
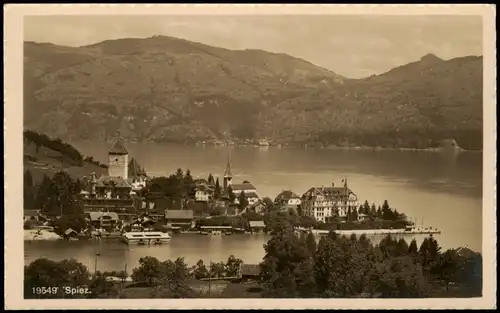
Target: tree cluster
{"points": [[53, 196], [230, 268], [342, 267], [41, 140], [91, 160], [47, 279]]}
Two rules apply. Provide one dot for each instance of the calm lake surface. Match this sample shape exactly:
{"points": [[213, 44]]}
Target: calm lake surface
{"points": [[442, 190]]}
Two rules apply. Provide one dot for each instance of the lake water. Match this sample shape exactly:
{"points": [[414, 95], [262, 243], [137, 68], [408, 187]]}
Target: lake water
{"points": [[440, 190]]}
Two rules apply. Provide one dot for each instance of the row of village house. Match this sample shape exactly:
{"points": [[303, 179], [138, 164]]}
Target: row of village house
{"points": [[116, 193], [320, 203]]}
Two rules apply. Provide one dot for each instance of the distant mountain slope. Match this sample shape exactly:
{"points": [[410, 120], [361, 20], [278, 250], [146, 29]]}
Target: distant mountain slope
{"points": [[416, 105], [163, 88]]}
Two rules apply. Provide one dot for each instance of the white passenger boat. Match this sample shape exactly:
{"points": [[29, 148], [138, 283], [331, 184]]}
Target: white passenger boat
{"points": [[146, 238], [263, 143]]}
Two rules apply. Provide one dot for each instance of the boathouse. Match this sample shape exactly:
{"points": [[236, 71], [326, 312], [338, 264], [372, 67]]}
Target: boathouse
{"points": [[179, 218], [70, 233], [31, 215], [257, 226], [250, 272]]}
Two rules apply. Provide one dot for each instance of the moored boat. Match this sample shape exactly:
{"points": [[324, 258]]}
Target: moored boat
{"points": [[146, 238]]}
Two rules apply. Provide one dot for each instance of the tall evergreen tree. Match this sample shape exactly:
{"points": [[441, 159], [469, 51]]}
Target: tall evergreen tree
{"points": [[210, 179], [217, 190], [242, 201], [28, 191]]}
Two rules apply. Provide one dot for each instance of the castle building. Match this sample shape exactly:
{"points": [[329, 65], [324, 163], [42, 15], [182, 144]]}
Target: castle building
{"points": [[114, 191], [118, 160]]}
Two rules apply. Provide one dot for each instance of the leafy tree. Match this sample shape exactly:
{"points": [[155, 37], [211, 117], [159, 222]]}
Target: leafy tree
{"points": [[242, 201], [311, 244], [400, 277], [282, 266], [100, 287], [75, 221], [218, 269], [188, 183], [268, 202], [449, 267], [149, 270], [233, 266], [57, 195], [174, 278], [200, 270], [46, 273], [307, 222]]}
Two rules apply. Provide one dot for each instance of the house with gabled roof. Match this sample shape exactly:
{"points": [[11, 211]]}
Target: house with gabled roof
{"points": [[204, 192], [287, 198]]}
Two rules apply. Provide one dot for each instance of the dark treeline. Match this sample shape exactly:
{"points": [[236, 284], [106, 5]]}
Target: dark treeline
{"points": [[167, 279], [414, 139], [381, 217], [91, 160], [41, 140], [341, 267], [181, 185], [54, 197]]}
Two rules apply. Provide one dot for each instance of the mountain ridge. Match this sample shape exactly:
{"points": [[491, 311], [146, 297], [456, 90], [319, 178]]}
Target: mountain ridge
{"points": [[167, 89]]}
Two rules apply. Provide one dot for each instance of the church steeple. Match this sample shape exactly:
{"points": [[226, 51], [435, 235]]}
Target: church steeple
{"points": [[227, 174]]}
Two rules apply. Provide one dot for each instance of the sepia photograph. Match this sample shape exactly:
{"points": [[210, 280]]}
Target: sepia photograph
{"points": [[246, 155]]}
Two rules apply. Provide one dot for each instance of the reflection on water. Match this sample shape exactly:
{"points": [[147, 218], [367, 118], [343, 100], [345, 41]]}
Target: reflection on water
{"points": [[115, 255], [445, 190]]}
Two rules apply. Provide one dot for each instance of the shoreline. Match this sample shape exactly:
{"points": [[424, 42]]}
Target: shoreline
{"points": [[55, 237], [311, 145]]}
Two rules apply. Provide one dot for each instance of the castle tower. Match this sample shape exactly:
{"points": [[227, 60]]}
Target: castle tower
{"points": [[227, 175], [118, 159]]}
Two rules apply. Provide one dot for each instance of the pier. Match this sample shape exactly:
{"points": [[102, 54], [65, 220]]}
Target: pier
{"points": [[416, 231]]}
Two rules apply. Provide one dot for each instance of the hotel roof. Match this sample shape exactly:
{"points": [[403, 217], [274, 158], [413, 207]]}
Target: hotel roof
{"points": [[329, 192], [179, 214], [243, 186]]}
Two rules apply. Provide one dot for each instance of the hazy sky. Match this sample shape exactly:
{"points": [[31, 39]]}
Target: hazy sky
{"points": [[353, 46]]}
